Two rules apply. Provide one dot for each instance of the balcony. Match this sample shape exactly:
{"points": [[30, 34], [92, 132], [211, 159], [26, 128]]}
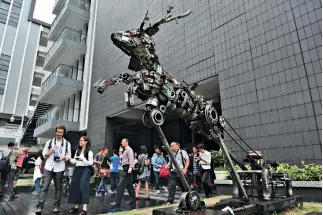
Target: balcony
{"points": [[61, 84], [69, 46], [58, 6], [45, 125], [73, 14]]}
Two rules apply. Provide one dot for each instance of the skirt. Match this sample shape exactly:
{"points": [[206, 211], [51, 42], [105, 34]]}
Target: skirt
{"points": [[80, 186]]}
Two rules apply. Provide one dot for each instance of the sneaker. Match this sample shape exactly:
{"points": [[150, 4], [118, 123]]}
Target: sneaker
{"points": [[165, 188], [38, 211], [35, 193], [73, 210], [98, 194], [158, 192], [55, 211], [83, 212], [169, 203]]}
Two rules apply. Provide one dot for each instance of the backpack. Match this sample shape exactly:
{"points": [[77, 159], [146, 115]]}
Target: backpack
{"points": [[54, 139], [140, 165], [25, 162], [5, 163], [42, 166], [91, 167]]}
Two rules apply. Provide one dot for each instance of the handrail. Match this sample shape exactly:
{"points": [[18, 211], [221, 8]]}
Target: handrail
{"points": [[57, 113], [67, 33], [60, 70]]}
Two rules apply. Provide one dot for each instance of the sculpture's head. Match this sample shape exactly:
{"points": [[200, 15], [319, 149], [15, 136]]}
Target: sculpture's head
{"points": [[122, 39]]}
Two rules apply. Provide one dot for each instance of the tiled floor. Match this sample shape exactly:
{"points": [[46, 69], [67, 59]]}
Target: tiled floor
{"points": [[25, 204]]}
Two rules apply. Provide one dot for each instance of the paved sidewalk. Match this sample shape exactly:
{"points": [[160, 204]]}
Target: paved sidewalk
{"points": [[25, 204]]}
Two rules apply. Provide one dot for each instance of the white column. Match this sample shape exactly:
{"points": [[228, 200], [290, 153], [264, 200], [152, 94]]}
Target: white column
{"points": [[65, 110], [88, 66], [77, 106], [71, 108]]}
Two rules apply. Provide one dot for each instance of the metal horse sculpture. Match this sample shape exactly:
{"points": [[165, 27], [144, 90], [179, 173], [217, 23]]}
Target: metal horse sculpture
{"points": [[164, 95]]}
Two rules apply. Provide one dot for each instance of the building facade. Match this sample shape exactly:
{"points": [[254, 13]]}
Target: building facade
{"points": [[259, 60], [64, 90], [21, 50]]}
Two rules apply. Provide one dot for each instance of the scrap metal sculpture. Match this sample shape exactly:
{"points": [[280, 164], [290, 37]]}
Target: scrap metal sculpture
{"points": [[164, 95]]}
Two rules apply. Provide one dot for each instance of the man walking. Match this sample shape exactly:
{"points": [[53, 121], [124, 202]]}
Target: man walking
{"points": [[56, 152], [183, 161], [126, 176], [9, 156], [204, 161]]}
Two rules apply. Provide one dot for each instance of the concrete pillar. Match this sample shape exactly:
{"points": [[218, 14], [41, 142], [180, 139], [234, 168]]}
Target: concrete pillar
{"points": [[71, 108], [108, 136], [77, 106]]}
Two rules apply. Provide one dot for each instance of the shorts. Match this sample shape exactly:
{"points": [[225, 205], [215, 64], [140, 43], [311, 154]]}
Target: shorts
{"points": [[17, 173], [143, 179]]}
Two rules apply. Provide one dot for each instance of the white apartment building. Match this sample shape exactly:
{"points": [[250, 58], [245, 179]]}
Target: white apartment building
{"points": [[68, 59], [21, 48]]}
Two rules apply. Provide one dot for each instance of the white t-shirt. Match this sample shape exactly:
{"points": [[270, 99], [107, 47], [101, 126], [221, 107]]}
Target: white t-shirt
{"points": [[207, 157]]}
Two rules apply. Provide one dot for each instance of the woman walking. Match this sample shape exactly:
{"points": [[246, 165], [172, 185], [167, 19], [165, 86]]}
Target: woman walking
{"points": [[39, 168], [143, 172], [80, 186], [104, 173]]}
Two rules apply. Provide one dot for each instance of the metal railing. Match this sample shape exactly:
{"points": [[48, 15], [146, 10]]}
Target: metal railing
{"points": [[62, 70], [59, 113], [82, 4], [67, 33]]}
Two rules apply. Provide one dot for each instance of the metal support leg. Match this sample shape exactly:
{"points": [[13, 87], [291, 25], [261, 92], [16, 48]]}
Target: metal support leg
{"points": [[234, 173], [164, 141]]}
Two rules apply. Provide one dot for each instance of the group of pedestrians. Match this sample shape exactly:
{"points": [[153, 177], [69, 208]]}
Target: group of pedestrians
{"points": [[123, 168], [12, 166]]}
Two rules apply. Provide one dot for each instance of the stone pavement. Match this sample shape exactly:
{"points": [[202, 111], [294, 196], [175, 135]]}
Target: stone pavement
{"points": [[25, 204]]}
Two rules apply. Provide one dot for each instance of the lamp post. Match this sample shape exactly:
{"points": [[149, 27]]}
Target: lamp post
{"points": [[12, 119]]}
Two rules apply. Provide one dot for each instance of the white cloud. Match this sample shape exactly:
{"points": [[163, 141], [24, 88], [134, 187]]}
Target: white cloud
{"points": [[43, 11]]}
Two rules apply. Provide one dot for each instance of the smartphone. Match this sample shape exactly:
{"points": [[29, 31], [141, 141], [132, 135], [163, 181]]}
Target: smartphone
{"points": [[78, 159]]}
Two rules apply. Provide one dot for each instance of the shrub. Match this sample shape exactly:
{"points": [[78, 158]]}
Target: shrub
{"points": [[217, 158], [307, 172]]}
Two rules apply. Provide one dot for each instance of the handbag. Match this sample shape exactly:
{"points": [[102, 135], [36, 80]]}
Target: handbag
{"points": [[104, 173], [164, 172]]}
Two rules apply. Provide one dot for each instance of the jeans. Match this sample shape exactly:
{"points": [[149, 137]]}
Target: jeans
{"points": [[7, 177], [205, 175], [101, 188], [114, 179], [46, 180], [37, 185], [156, 178]]}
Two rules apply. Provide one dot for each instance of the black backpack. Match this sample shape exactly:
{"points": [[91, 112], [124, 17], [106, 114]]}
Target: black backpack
{"points": [[140, 165], [5, 164], [87, 157]]}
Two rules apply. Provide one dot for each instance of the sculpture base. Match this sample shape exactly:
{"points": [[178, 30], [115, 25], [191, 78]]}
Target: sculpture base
{"points": [[255, 206]]}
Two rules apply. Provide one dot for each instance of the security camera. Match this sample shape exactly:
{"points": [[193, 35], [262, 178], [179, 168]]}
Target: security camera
{"points": [[12, 119]]}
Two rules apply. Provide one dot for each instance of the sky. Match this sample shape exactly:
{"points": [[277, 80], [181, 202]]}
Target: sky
{"points": [[43, 10]]}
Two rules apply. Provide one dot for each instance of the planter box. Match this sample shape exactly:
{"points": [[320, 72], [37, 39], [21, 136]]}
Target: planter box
{"points": [[310, 190], [221, 175]]}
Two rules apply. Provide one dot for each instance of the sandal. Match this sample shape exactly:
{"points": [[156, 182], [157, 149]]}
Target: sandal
{"points": [[148, 198], [138, 198]]}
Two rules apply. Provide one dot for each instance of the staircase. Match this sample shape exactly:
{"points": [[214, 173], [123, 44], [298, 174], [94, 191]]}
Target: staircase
{"points": [[41, 108]]}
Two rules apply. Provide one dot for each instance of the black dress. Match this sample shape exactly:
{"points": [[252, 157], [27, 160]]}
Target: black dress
{"points": [[80, 184]]}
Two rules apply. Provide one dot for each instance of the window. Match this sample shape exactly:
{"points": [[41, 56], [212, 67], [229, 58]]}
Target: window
{"points": [[4, 67]]}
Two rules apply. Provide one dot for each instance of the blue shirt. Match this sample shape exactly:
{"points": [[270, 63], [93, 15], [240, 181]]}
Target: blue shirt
{"points": [[114, 163], [156, 161]]}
